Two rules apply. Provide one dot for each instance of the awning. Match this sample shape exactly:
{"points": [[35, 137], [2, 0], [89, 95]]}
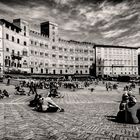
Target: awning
{"points": [[83, 76], [46, 76]]}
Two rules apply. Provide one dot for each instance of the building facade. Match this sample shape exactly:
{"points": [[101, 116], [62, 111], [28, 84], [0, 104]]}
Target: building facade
{"points": [[41, 51], [116, 60]]}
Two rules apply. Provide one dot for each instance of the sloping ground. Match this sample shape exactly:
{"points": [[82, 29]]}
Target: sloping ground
{"points": [[88, 116]]}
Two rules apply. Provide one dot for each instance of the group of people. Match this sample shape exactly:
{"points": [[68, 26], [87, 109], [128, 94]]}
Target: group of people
{"points": [[129, 109], [110, 86], [45, 104]]}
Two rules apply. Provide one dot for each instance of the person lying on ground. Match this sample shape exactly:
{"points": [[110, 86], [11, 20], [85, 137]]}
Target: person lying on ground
{"points": [[48, 105]]}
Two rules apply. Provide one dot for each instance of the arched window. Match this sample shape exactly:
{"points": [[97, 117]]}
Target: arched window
{"points": [[24, 62], [24, 52]]}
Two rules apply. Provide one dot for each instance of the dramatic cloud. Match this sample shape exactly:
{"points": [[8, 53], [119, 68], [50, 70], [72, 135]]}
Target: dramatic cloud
{"points": [[98, 21], [114, 33]]}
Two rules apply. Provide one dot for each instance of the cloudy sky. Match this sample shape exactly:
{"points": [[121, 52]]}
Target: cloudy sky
{"points": [[115, 22]]}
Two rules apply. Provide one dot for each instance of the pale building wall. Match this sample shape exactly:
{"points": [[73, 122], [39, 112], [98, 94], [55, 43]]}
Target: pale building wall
{"points": [[9, 45], [1, 50], [117, 61]]}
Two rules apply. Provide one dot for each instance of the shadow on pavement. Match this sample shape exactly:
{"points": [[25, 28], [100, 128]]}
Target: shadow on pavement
{"points": [[112, 118]]}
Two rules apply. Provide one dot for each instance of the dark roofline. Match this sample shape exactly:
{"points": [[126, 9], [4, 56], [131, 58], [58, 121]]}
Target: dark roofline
{"points": [[114, 46], [76, 42], [49, 22], [11, 24]]}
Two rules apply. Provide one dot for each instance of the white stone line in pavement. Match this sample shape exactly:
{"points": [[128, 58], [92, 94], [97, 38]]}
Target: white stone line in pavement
{"points": [[20, 99], [12, 103]]}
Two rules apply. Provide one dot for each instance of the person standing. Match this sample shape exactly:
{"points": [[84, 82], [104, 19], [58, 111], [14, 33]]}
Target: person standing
{"points": [[8, 81], [31, 88]]}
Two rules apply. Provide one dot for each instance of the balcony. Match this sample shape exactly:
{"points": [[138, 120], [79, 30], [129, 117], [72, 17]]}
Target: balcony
{"points": [[16, 56]]}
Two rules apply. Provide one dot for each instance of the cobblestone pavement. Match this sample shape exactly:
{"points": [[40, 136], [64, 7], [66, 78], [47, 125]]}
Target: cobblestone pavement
{"points": [[88, 116]]}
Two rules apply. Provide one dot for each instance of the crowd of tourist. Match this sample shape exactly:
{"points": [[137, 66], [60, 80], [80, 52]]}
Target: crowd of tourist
{"points": [[129, 111]]}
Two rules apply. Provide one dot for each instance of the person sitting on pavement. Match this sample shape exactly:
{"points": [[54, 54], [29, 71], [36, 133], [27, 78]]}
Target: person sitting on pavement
{"points": [[48, 105], [132, 111], [19, 90], [35, 101], [55, 94], [129, 110], [5, 93], [122, 108]]}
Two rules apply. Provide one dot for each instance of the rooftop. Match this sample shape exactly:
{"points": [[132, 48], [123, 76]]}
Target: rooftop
{"points": [[3, 21], [114, 46]]}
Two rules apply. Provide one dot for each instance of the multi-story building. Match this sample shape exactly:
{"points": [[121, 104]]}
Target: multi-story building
{"points": [[40, 50], [116, 60], [14, 46]]}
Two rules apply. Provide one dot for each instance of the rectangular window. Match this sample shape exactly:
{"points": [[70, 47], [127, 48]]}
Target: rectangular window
{"points": [[31, 42], [71, 50], [86, 51], [135, 62], [46, 54], [60, 49], [41, 53], [86, 59], [65, 57], [7, 49], [13, 38], [72, 58], [60, 56], [25, 44], [24, 53], [61, 65], [91, 51], [13, 51], [77, 66], [46, 45], [91, 59], [18, 53], [53, 55], [32, 52], [18, 41], [7, 36], [53, 47], [76, 59], [41, 44]]}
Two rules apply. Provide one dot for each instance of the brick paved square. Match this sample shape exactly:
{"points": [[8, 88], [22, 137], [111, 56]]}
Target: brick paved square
{"points": [[85, 117]]}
